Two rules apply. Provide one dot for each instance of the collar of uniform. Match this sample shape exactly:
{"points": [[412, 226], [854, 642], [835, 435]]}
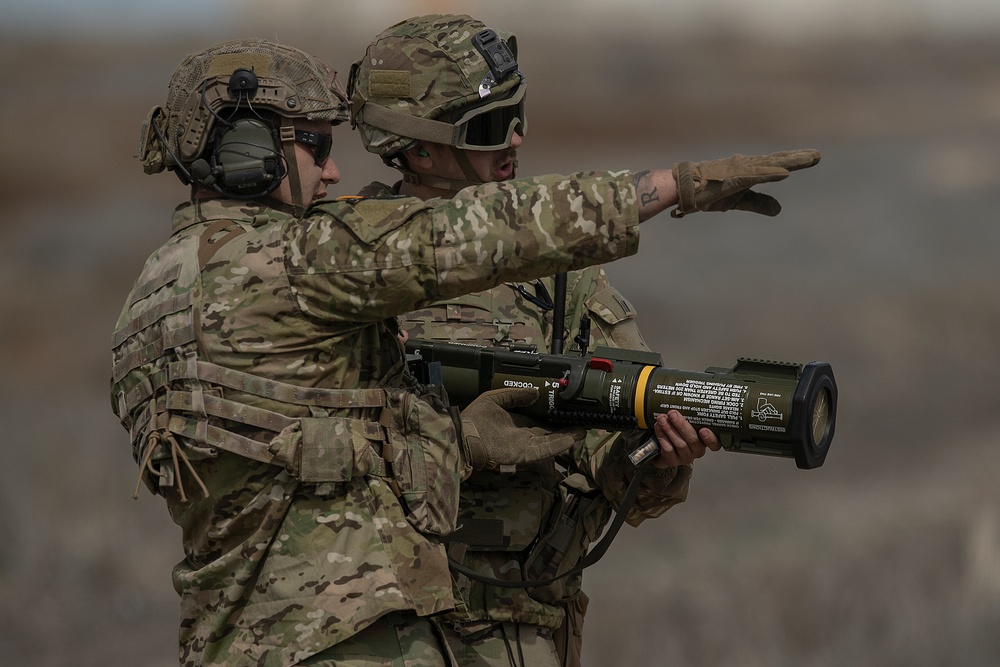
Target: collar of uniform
{"points": [[198, 211], [379, 189]]}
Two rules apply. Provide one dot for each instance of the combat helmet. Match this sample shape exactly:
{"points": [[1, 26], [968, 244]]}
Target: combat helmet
{"points": [[230, 108], [444, 78]]}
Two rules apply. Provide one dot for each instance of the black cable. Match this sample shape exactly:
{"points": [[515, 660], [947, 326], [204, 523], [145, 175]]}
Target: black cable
{"points": [[166, 147], [541, 298], [506, 643], [594, 555], [205, 104], [520, 649]]}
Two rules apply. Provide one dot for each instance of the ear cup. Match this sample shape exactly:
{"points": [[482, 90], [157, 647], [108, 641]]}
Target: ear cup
{"points": [[247, 161]]}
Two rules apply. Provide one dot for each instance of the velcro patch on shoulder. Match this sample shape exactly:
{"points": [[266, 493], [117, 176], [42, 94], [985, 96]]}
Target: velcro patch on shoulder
{"points": [[390, 83], [368, 218], [609, 305]]}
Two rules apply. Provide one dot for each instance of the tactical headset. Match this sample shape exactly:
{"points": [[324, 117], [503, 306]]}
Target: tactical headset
{"points": [[244, 158]]}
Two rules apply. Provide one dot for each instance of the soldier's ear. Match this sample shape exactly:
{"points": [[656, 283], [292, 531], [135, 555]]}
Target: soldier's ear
{"points": [[418, 156]]}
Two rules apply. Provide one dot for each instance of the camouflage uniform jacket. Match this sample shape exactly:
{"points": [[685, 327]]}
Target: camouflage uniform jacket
{"points": [[255, 366], [539, 523]]}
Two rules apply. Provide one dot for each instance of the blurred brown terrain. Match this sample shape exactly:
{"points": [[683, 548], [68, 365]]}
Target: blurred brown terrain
{"points": [[882, 263]]}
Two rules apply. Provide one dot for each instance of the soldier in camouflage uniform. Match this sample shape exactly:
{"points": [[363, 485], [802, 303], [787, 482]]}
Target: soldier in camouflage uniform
{"points": [[441, 99], [257, 368], [266, 398]]}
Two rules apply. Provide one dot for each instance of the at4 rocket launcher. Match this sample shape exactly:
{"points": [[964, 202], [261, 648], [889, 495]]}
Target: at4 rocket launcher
{"points": [[762, 407]]}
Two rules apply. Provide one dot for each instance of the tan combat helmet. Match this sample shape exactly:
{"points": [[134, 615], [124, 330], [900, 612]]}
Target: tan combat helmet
{"points": [[230, 108], [443, 78]]}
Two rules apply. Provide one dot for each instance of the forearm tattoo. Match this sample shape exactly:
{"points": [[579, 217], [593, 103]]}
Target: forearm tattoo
{"points": [[646, 197]]}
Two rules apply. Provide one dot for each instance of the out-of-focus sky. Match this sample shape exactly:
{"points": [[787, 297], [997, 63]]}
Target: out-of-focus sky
{"points": [[778, 17]]}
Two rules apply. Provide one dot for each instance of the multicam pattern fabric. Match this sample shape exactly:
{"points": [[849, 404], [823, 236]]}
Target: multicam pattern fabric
{"points": [[398, 639], [294, 84], [512, 522], [424, 67], [249, 362], [494, 646]]}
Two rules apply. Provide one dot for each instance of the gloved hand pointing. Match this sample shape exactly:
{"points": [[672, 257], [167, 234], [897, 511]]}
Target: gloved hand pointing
{"points": [[723, 185]]}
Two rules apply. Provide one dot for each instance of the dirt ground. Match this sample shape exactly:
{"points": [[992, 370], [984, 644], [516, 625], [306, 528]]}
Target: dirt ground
{"points": [[882, 263]]}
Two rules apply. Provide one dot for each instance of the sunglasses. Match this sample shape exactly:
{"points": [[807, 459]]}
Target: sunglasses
{"points": [[320, 144], [492, 126]]}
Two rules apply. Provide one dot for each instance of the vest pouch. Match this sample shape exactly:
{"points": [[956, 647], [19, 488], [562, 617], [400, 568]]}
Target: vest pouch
{"points": [[574, 524], [331, 449], [502, 512], [423, 452]]}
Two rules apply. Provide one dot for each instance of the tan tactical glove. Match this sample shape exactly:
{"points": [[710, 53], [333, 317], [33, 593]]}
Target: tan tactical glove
{"points": [[723, 185], [496, 439]]}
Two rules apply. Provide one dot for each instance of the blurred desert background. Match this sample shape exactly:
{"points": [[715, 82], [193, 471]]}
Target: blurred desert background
{"points": [[882, 263]]}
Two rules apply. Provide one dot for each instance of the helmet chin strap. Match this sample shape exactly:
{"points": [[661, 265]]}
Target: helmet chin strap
{"points": [[439, 182], [287, 134]]}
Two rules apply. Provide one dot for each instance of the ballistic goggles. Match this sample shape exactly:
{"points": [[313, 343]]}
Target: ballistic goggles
{"points": [[486, 127], [491, 126], [319, 143]]}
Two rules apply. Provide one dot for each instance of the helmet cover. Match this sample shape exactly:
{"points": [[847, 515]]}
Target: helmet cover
{"points": [[289, 83], [427, 67]]}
